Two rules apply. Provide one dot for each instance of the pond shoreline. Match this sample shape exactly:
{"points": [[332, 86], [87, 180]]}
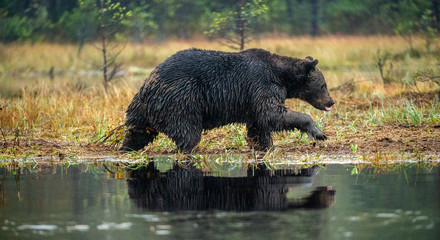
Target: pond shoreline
{"points": [[389, 143]]}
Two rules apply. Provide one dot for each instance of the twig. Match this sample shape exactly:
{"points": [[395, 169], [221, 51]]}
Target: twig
{"points": [[54, 144], [107, 169], [17, 139], [110, 133], [4, 138], [3, 134]]}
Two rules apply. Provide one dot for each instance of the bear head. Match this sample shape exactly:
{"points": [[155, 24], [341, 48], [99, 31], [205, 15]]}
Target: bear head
{"points": [[309, 85]]}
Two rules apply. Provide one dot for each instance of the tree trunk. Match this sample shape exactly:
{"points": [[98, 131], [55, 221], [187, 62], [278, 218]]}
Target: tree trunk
{"points": [[104, 58], [104, 45], [242, 25], [289, 14], [315, 8], [182, 16], [435, 12]]}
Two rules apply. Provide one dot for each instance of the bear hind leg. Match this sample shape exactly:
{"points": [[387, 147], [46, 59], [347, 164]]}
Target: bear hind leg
{"points": [[188, 142], [258, 139]]}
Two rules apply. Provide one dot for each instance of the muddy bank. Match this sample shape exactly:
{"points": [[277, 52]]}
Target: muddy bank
{"points": [[394, 139]]}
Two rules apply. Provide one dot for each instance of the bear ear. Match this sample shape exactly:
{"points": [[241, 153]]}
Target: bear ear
{"points": [[310, 63], [313, 61]]}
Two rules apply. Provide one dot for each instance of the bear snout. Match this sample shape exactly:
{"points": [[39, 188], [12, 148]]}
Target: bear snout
{"points": [[329, 105], [332, 102]]}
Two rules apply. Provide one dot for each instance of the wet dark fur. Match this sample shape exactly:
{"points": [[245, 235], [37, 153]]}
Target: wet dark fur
{"points": [[195, 90]]}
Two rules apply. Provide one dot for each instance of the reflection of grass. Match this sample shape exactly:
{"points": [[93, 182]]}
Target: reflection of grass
{"points": [[376, 166], [380, 163], [394, 167]]}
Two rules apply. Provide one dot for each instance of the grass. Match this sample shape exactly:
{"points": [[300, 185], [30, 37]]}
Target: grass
{"points": [[74, 107], [334, 52], [66, 113]]}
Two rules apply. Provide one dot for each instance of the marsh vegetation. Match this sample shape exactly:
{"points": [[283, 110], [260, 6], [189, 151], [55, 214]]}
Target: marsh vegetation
{"points": [[54, 104]]}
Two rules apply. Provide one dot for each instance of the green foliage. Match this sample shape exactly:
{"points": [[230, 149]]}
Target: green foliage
{"points": [[354, 147], [112, 17], [427, 29], [15, 28], [80, 24], [234, 21], [236, 26], [24, 28], [141, 21], [405, 29], [406, 112], [412, 113], [406, 25], [112, 14], [239, 137], [343, 14], [354, 171], [413, 19]]}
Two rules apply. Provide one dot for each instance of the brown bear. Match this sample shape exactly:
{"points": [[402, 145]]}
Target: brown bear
{"points": [[196, 90]]}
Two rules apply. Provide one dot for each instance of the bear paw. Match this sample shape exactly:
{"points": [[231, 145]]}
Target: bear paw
{"points": [[314, 133]]}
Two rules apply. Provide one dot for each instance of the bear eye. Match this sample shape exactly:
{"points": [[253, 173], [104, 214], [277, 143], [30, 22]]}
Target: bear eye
{"points": [[323, 86]]}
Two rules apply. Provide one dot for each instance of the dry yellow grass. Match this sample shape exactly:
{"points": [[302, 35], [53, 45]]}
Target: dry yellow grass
{"points": [[343, 59], [66, 112], [332, 51]]}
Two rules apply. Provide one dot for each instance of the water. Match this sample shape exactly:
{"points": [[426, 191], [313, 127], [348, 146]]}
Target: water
{"points": [[222, 201]]}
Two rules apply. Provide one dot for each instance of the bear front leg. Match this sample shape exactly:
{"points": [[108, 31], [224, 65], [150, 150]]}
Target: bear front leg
{"points": [[259, 139], [303, 122], [136, 139]]}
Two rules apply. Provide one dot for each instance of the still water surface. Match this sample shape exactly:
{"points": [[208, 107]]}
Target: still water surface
{"points": [[163, 200]]}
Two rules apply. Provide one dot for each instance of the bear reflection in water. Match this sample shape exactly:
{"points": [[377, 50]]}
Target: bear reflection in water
{"points": [[189, 188]]}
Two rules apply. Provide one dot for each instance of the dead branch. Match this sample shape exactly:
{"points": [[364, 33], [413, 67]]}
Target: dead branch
{"points": [[109, 134]]}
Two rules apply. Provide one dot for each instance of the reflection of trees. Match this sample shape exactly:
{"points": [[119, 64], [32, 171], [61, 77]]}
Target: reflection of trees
{"points": [[2, 191], [72, 192], [190, 189]]}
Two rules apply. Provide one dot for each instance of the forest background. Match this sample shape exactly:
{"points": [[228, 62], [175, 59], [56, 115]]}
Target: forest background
{"points": [[75, 20]]}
